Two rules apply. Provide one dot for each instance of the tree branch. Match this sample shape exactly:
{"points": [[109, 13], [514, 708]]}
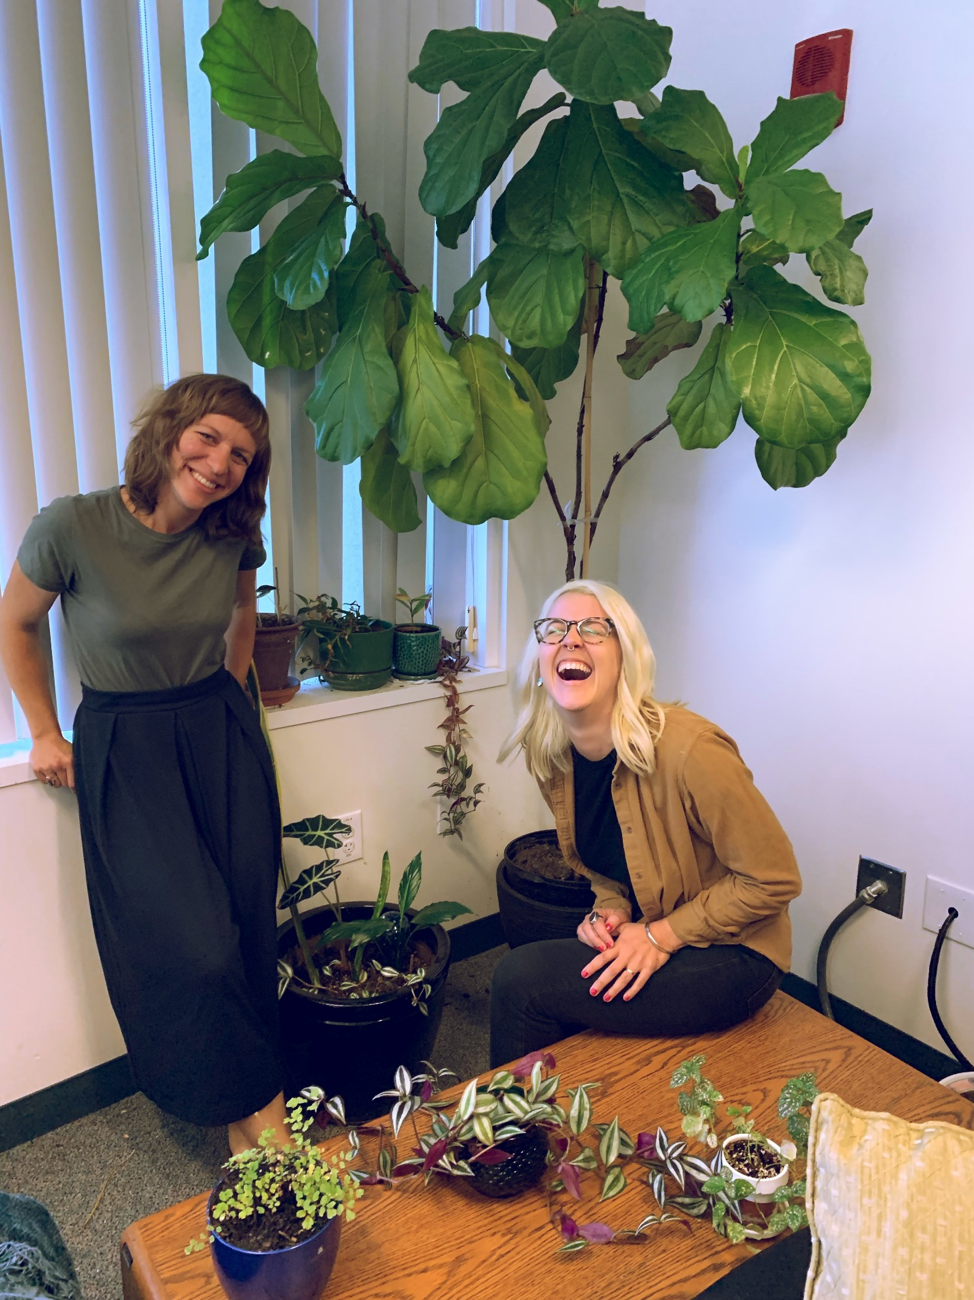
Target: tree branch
{"points": [[618, 462], [394, 264]]}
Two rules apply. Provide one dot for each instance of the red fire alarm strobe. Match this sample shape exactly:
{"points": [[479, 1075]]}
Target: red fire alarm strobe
{"points": [[822, 64]]}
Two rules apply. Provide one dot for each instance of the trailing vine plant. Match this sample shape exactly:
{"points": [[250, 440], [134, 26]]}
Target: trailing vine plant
{"points": [[602, 199], [457, 770]]}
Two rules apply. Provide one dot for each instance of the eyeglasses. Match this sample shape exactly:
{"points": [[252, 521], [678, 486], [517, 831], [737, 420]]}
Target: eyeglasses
{"points": [[552, 631]]}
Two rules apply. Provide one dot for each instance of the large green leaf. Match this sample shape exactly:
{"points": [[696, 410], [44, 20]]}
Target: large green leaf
{"points": [[794, 467], [450, 228], [302, 278], [669, 333], [527, 390], [687, 270], [535, 209], [687, 121], [841, 270], [386, 486], [271, 333], [607, 54], [467, 297], [798, 209], [705, 407], [255, 188], [549, 366], [853, 227], [498, 473], [358, 387], [435, 420], [319, 832], [313, 880], [756, 249], [470, 132], [791, 129], [470, 57], [801, 368], [621, 196], [534, 293], [263, 70]]}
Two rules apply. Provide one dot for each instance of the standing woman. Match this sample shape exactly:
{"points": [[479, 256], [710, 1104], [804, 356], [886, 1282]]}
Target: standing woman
{"points": [[691, 870], [176, 792]]}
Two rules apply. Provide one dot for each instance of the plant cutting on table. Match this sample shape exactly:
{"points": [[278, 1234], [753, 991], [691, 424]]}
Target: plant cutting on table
{"points": [[602, 198], [516, 1104]]}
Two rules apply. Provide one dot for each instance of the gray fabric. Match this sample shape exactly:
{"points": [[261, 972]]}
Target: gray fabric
{"points": [[145, 611], [34, 1262]]}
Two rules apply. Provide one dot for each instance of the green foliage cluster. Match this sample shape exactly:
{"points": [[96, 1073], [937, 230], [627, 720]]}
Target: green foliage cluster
{"points": [[721, 1189], [456, 769], [416, 606], [384, 939], [603, 196], [293, 1188], [329, 624]]}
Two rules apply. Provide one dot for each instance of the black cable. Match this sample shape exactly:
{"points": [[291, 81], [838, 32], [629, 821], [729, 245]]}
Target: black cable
{"points": [[861, 900], [938, 944]]}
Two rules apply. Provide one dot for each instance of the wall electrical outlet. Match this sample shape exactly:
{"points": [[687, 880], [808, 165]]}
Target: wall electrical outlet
{"points": [[892, 877], [351, 848], [938, 898]]}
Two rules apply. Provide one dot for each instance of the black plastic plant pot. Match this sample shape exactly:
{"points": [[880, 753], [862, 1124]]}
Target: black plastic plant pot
{"points": [[352, 1047], [531, 906], [525, 1167], [298, 1272]]}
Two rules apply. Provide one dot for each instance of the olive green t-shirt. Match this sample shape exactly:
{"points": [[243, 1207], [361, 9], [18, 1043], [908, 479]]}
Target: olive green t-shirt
{"points": [[145, 611]]}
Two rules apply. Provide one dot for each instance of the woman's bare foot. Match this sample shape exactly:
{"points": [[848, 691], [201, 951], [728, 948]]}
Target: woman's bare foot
{"points": [[245, 1133]]}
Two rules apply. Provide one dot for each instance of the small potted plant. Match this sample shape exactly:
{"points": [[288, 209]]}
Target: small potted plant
{"points": [[347, 649], [362, 984], [274, 1220], [416, 644], [749, 1177], [274, 641]]}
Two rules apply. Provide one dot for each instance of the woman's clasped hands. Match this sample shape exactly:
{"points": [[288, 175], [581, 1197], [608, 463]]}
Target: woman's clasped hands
{"points": [[625, 959]]}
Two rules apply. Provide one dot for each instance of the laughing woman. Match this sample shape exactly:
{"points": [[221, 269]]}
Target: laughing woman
{"points": [[691, 870], [176, 793]]}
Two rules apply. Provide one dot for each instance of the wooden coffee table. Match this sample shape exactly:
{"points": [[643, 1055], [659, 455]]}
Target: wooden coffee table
{"points": [[446, 1241]]}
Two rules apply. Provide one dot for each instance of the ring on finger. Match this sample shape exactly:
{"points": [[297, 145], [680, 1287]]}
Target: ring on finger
{"points": [[593, 917], [630, 971]]}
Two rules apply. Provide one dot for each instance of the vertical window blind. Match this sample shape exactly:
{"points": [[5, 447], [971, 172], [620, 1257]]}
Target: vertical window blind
{"points": [[111, 150]]}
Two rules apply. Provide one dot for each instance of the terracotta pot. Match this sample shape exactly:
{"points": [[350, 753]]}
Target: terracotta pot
{"points": [[273, 652]]}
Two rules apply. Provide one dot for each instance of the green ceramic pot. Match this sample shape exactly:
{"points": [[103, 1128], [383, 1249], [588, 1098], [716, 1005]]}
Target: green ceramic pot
{"points": [[364, 661], [415, 650]]}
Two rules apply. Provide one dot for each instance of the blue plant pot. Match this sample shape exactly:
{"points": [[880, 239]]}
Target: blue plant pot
{"points": [[298, 1272]]}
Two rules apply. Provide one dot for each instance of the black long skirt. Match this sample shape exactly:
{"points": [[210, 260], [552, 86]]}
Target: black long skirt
{"points": [[181, 835]]}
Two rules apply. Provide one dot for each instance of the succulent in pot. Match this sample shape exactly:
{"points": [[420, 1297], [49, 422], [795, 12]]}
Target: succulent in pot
{"points": [[274, 1220]]}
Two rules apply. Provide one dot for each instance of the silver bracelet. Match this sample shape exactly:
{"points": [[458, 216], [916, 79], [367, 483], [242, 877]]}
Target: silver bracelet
{"points": [[654, 942]]}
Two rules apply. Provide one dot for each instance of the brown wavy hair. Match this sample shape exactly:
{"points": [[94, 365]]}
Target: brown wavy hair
{"points": [[161, 423]]}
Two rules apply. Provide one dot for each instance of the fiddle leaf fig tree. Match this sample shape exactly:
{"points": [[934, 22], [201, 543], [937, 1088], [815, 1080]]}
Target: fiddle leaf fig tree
{"points": [[660, 203]]}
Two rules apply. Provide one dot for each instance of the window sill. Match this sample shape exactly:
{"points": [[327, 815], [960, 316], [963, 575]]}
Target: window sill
{"points": [[316, 703], [313, 703]]}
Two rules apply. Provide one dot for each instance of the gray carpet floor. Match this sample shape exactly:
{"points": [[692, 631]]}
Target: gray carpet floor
{"points": [[103, 1172]]}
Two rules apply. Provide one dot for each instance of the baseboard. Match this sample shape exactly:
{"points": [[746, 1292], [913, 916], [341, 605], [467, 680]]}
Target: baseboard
{"points": [[934, 1064], [475, 937], [61, 1103], [71, 1099]]}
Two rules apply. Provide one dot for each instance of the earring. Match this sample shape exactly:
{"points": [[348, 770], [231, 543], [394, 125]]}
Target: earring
{"points": [[540, 681]]}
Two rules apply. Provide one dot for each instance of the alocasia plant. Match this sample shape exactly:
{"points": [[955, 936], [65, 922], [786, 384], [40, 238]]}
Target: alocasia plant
{"points": [[603, 198]]}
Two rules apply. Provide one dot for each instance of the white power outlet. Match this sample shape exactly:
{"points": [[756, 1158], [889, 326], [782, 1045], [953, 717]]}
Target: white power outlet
{"points": [[940, 896], [351, 847]]}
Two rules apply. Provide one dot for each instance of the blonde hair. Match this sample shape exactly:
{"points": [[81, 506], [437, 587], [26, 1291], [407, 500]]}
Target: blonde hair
{"points": [[637, 718]]}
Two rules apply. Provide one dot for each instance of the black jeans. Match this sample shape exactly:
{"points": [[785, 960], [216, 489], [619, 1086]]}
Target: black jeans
{"points": [[538, 995]]}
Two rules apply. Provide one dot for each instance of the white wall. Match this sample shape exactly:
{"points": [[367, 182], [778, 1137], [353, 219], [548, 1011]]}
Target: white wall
{"points": [[829, 629]]}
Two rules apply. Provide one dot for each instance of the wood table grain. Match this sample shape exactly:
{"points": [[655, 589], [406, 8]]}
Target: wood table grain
{"points": [[446, 1241]]}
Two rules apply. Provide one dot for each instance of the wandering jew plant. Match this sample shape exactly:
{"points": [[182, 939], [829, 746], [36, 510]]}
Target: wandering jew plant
{"points": [[604, 197]]}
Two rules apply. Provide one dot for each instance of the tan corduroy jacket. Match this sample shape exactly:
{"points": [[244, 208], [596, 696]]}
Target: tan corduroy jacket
{"points": [[703, 847]]}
